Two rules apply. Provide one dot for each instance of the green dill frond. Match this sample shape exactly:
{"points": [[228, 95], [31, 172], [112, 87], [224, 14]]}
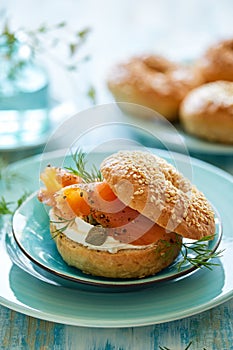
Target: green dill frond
{"points": [[5, 207], [9, 208], [187, 347], [80, 170], [198, 254], [22, 199], [195, 253], [67, 223]]}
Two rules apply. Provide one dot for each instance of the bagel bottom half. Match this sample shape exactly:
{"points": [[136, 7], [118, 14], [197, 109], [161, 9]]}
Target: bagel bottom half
{"points": [[126, 263]]}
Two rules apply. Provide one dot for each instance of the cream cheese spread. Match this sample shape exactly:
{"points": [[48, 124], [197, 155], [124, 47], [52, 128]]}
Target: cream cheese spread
{"points": [[79, 230]]}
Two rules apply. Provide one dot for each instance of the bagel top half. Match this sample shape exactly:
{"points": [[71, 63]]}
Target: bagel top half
{"points": [[153, 187]]}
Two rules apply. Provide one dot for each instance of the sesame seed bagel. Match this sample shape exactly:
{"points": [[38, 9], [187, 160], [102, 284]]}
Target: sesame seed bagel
{"points": [[154, 82], [207, 112], [154, 188], [125, 263], [217, 62]]}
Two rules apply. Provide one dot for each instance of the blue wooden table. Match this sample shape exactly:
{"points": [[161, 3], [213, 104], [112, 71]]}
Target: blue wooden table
{"points": [[180, 29], [212, 330]]}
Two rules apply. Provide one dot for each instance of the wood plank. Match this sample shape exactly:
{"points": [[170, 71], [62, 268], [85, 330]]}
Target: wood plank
{"points": [[212, 330]]}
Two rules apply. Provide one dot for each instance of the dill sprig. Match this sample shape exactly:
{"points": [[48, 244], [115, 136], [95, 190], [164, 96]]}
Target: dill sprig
{"points": [[60, 220], [198, 254], [165, 348], [187, 347], [5, 207], [22, 199], [9, 208], [80, 170]]}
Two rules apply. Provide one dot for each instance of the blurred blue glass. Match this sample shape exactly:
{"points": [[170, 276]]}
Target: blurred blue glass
{"points": [[24, 97]]}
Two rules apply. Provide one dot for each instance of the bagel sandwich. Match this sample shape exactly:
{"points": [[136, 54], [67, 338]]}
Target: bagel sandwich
{"points": [[126, 220]]}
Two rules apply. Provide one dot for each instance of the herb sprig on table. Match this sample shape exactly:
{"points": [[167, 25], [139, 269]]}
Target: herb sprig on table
{"points": [[187, 347], [8, 177], [5, 207], [9, 207]]}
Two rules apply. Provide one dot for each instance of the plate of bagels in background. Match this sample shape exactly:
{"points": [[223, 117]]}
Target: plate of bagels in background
{"points": [[195, 99]]}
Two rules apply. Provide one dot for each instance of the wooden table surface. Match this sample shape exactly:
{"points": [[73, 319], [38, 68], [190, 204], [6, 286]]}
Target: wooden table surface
{"points": [[181, 29], [212, 330]]}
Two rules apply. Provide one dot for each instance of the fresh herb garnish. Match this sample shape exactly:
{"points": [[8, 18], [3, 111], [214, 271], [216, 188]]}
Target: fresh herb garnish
{"points": [[60, 220], [5, 207], [198, 254], [7, 177], [187, 347], [9, 208], [22, 199], [165, 348], [80, 170]]}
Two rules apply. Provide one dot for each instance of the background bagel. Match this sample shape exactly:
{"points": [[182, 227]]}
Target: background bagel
{"points": [[154, 82], [217, 62], [207, 112]]}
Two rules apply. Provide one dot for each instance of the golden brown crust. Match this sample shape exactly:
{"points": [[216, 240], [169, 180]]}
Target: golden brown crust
{"points": [[156, 189], [153, 82], [207, 112], [217, 62], [128, 263]]}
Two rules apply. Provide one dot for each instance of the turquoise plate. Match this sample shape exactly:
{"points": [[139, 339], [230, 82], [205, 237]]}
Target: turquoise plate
{"points": [[160, 302], [31, 231]]}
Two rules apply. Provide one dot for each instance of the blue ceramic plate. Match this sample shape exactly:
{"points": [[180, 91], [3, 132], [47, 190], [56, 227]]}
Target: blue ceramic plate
{"points": [[31, 232], [161, 302]]}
